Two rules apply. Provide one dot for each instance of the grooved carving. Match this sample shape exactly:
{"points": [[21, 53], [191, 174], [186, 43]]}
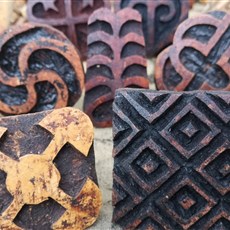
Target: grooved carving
{"points": [[159, 20], [171, 160], [116, 59], [199, 56], [39, 70], [69, 16], [47, 171]]}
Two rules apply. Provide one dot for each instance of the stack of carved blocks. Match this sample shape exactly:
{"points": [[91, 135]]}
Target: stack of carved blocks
{"points": [[171, 148]]}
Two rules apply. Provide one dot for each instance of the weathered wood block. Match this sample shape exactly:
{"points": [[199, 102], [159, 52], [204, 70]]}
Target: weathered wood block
{"points": [[69, 16], [199, 56], [47, 171], [116, 59], [40, 69], [171, 160], [160, 19]]}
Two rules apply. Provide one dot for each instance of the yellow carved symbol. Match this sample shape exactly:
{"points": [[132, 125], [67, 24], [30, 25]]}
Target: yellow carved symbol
{"points": [[34, 178]]}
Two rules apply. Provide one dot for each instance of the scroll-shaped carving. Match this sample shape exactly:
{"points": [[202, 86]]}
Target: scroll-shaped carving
{"points": [[39, 70], [160, 19], [47, 177], [199, 56], [171, 160], [69, 16], [116, 59]]}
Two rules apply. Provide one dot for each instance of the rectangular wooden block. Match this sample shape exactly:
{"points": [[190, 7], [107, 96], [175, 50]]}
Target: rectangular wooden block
{"points": [[171, 160], [47, 171]]}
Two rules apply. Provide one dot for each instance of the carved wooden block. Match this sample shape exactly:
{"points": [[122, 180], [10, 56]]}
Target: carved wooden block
{"points": [[39, 70], [160, 19], [116, 59], [47, 171], [171, 160], [69, 16], [199, 56]]}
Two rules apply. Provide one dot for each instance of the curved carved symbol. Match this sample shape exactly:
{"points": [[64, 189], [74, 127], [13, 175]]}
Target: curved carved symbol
{"points": [[199, 56], [116, 59], [160, 20], [69, 16], [171, 159], [34, 178], [39, 70]]}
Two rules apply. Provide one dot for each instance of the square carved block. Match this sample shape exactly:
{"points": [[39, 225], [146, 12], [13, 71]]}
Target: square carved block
{"points": [[171, 160], [47, 171]]}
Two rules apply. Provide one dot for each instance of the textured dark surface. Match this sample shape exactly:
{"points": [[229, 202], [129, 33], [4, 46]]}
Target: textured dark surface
{"points": [[171, 160], [199, 56], [39, 70], [26, 135], [69, 16], [160, 19], [116, 59]]}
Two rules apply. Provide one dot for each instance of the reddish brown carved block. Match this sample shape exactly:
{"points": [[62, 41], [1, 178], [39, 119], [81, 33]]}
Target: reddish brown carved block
{"points": [[160, 19], [116, 59], [199, 56], [191, 3], [171, 160], [40, 69], [69, 16], [47, 171]]}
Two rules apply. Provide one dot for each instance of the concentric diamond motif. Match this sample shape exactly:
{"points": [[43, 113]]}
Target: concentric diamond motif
{"points": [[216, 169], [185, 202], [149, 161], [172, 170], [190, 131], [149, 166]]}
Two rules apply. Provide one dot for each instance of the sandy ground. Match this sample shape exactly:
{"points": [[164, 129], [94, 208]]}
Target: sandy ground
{"points": [[103, 152], [104, 165]]}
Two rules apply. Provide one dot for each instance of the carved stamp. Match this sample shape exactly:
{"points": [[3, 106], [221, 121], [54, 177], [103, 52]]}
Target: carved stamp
{"points": [[39, 70], [160, 19], [171, 160], [69, 16], [116, 59], [199, 56], [47, 171]]}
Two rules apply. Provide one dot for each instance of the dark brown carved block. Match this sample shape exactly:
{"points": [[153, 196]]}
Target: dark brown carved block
{"points": [[160, 19], [69, 16], [199, 56], [171, 160], [47, 171], [116, 59], [40, 69]]}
